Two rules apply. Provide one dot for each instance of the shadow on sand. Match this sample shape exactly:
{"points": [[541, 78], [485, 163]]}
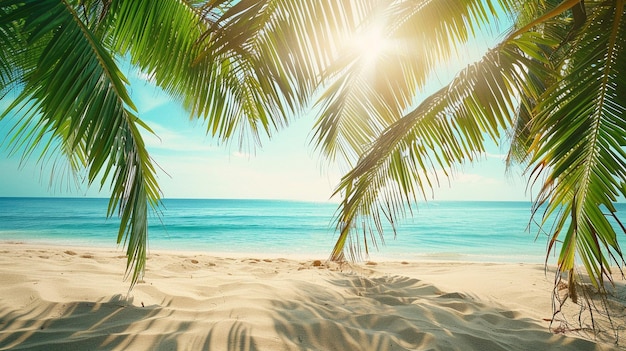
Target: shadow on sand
{"points": [[344, 312], [400, 313], [110, 325]]}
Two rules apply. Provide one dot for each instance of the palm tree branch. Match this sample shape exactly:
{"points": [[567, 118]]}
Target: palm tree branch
{"points": [[77, 96], [383, 89], [553, 12], [445, 130], [586, 162]]}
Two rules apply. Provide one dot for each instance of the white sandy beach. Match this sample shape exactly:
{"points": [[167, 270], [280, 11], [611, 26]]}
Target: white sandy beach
{"points": [[54, 298]]}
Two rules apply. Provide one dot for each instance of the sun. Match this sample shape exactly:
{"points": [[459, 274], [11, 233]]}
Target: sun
{"points": [[370, 44]]}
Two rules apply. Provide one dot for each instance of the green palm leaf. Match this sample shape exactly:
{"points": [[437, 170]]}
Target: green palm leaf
{"points": [[8, 37], [76, 96], [446, 129], [272, 60], [369, 94], [562, 72], [239, 92], [585, 164]]}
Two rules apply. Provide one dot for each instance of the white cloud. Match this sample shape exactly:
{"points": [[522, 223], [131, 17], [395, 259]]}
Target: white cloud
{"points": [[177, 141], [146, 103], [242, 155], [495, 156], [144, 91]]}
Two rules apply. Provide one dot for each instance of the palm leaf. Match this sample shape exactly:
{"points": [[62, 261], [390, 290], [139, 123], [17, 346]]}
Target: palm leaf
{"points": [[224, 88], [8, 38], [584, 164], [271, 54], [367, 96], [244, 66], [446, 129], [76, 96]]}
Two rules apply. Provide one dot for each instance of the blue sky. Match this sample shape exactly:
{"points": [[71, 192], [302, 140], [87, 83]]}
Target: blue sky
{"points": [[286, 167]]}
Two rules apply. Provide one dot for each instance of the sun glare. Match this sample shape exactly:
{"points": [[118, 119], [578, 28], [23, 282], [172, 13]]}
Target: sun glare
{"points": [[370, 44]]}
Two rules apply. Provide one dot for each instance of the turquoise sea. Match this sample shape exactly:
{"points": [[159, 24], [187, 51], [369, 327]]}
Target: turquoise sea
{"points": [[463, 231]]}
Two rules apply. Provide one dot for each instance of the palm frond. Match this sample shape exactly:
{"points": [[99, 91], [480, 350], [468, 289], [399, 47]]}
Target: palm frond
{"points": [[272, 60], [371, 93], [12, 48], [584, 164], [548, 19], [75, 95], [223, 88], [445, 130], [246, 67], [8, 37]]}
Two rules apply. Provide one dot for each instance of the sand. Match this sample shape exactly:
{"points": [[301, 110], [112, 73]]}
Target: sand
{"points": [[54, 298]]}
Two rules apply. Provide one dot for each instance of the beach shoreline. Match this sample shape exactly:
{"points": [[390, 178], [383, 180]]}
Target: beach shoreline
{"points": [[75, 298]]}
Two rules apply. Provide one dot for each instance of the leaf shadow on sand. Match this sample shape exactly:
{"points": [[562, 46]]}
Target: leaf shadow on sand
{"points": [[400, 313], [313, 309], [71, 325], [115, 324]]}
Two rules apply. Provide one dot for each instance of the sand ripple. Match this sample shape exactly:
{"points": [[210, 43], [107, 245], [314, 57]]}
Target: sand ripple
{"points": [[52, 300]]}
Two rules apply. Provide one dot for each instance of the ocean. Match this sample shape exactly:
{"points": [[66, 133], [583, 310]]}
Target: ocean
{"points": [[450, 231]]}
